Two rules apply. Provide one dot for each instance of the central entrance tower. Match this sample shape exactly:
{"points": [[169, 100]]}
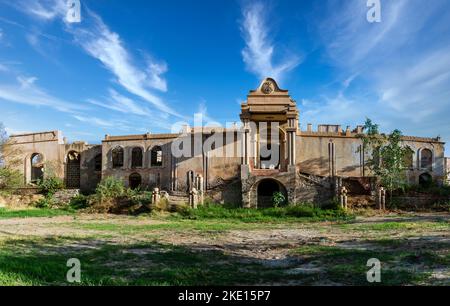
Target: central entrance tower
{"points": [[270, 123]]}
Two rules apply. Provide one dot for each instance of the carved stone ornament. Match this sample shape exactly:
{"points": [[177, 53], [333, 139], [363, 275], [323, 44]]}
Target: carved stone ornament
{"points": [[267, 88]]}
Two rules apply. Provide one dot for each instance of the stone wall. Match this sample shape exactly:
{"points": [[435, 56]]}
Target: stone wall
{"points": [[228, 192], [65, 196], [313, 189]]}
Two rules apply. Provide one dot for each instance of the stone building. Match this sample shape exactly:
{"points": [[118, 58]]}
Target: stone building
{"points": [[447, 171], [268, 153]]}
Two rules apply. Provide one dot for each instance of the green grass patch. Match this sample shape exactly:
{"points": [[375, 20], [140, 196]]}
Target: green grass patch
{"points": [[28, 262], [398, 225], [34, 213], [293, 213], [172, 225], [348, 265]]}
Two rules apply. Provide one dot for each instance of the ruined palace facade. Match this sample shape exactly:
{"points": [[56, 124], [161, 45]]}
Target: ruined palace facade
{"points": [[235, 166]]}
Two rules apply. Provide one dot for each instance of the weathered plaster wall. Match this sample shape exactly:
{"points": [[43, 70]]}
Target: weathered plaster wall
{"points": [[149, 173], [49, 144]]}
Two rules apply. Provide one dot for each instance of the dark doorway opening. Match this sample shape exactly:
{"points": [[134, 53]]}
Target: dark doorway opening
{"points": [[425, 180], [73, 170], [135, 181], [266, 190]]}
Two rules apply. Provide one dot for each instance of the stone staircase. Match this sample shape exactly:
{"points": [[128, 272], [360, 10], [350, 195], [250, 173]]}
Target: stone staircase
{"points": [[177, 199]]}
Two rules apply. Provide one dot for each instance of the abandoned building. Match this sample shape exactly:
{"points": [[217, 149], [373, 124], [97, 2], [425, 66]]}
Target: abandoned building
{"points": [[310, 165]]}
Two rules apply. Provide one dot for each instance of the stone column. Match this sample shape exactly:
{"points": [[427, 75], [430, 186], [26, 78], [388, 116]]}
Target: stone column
{"points": [[246, 144], [193, 198], [344, 198], [291, 133], [382, 198], [199, 186], [255, 150], [156, 196]]}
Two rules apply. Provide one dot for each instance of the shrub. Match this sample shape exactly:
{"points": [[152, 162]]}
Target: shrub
{"points": [[46, 202], [10, 178], [50, 185], [110, 188], [162, 205], [79, 202], [278, 199]]}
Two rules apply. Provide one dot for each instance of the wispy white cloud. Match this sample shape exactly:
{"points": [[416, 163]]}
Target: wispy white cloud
{"points": [[203, 112], [26, 82], [112, 123], [3, 68], [97, 40], [1, 34], [122, 104], [107, 46], [25, 91], [95, 121], [155, 72], [402, 63], [259, 52], [45, 10]]}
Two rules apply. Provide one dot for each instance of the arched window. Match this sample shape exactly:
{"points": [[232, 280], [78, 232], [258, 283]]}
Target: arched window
{"points": [[73, 170], [136, 158], [98, 163], [426, 159], [135, 181], [37, 167], [156, 157], [117, 157]]}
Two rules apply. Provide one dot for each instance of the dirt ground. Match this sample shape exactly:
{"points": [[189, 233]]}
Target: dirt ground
{"points": [[281, 246]]}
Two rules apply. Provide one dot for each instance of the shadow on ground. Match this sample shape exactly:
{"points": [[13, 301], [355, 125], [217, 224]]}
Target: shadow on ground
{"points": [[43, 262]]}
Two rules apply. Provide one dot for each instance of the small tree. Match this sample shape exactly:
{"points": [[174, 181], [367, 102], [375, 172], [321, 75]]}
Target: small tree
{"points": [[9, 160], [387, 156]]}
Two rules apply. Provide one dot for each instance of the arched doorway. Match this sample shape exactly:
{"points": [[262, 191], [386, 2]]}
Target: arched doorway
{"points": [[73, 170], [425, 180], [266, 190], [135, 181], [37, 167]]}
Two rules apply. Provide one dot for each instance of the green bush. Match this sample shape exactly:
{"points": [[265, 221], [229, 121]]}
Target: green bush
{"points": [[110, 188], [50, 185], [46, 202], [278, 199], [79, 202], [432, 189], [10, 178]]}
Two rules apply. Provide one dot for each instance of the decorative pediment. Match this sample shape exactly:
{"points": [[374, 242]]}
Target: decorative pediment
{"points": [[269, 103], [267, 87]]}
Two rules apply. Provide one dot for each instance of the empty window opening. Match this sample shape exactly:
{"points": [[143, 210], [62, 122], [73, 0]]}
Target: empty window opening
{"points": [[156, 157], [98, 163], [426, 159], [117, 157], [136, 158]]}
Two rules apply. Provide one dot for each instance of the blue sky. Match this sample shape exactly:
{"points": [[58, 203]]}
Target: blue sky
{"points": [[135, 66]]}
